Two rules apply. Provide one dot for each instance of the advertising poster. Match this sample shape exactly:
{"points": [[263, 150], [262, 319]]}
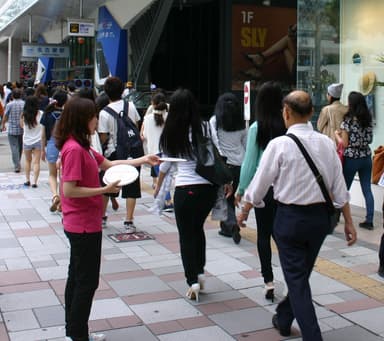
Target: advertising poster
{"points": [[27, 70], [263, 45]]}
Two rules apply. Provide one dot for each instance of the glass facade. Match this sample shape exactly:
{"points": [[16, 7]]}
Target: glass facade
{"points": [[12, 9], [318, 55]]}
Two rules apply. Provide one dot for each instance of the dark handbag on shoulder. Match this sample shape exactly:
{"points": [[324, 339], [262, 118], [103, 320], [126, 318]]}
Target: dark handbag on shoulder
{"points": [[210, 165], [334, 213]]}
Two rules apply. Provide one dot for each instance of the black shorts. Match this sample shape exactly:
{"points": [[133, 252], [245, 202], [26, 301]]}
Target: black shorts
{"points": [[132, 190]]}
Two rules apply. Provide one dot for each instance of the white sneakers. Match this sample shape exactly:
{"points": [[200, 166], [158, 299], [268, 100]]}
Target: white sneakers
{"points": [[92, 337]]}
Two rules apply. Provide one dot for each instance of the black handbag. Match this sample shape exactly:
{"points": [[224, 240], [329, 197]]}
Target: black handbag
{"points": [[334, 213], [210, 165]]}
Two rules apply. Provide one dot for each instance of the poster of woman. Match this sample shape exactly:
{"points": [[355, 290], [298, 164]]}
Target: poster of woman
{"points": [[264, 42]]}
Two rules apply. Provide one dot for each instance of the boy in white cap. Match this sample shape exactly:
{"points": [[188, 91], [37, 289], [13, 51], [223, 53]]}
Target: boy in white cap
{"points": [[332, 115]]}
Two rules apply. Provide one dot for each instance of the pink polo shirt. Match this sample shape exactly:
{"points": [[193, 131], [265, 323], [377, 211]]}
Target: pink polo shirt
{"points": [[81, 165]]}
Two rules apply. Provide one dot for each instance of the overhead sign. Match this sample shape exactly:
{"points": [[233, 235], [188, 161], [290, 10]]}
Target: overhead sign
{"points": [[247, 101], [81, 28], [44, 50]]}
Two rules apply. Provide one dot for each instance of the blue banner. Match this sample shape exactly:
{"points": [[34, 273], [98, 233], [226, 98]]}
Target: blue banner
{"points": [[111, 55]]}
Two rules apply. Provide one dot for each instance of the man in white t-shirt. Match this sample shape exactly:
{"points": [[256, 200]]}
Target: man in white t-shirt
{"points": [[107, 129]]}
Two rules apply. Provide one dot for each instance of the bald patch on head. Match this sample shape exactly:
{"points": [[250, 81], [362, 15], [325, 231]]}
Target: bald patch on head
{"points": [[299, 102]]}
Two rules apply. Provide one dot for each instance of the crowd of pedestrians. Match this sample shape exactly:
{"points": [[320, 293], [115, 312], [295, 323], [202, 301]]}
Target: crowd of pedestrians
{"points": [[79, 135]]}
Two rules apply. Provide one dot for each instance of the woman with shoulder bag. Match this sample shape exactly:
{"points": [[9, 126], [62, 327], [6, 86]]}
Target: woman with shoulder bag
{"points": [[194, 195], [230, 136]]}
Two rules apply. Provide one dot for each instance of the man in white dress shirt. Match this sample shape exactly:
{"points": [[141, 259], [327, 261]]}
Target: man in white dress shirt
{"points": [[302, 219]]}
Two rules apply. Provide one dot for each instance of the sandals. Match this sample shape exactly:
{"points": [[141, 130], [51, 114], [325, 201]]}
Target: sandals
{"points": [[251, 58], [55, 203]]}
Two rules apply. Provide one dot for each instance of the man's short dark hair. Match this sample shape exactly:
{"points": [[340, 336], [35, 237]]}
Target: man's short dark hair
{"points": [[114, 88], [16, 93]]}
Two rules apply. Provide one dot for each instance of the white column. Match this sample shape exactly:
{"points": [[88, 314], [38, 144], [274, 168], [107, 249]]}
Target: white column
{"points": [[9, 71]]}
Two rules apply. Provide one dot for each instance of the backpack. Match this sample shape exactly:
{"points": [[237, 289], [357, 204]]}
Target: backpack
{"points": [[128, 142]]}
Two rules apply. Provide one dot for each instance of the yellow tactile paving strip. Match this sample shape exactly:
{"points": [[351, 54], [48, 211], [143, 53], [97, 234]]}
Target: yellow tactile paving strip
{"points": [[367, 286]]}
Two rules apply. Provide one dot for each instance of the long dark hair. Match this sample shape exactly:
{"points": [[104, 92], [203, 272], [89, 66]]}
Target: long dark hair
{"points": [[268, 106], [31, 109], [183, 116], [357, 107], [228, 112], [74, 122], [160, 107]]}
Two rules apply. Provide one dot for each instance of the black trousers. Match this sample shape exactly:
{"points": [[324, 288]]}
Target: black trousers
{"points": [[265, 218], [192, 205], [299, 233], [227, 225], [82, 282]]}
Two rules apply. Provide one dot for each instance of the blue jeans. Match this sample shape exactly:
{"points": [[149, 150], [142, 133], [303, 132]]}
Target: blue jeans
{"points": [[16, 144], [363, 166]]}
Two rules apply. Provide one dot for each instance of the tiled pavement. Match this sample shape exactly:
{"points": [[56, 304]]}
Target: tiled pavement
{"points": [[142, 286]]}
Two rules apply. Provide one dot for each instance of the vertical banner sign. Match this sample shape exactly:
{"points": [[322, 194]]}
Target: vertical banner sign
{"points": [[111, 48], [247, 101]]}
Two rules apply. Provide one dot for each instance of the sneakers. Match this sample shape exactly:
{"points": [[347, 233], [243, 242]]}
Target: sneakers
{"points": [[129, 227], [168, 208], [92, 337], [366, 225], [97, 337], [104, 222]]}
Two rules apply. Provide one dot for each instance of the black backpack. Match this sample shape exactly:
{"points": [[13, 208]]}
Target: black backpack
{"points": [[128, 142]]}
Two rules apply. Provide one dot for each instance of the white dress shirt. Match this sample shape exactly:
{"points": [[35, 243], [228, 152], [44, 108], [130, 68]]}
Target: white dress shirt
{"points": [[284, 166]]}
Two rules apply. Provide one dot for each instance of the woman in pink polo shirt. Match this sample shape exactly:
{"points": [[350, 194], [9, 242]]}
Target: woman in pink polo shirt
{"points": [[82, 206]]}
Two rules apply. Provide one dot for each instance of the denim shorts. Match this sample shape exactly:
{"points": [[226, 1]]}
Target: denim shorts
{"points": [[33, 146], [52, 153]]}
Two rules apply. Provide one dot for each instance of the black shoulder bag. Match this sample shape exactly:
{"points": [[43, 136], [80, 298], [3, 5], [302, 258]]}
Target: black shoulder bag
{"points": [[334, 213], [210, 165]]}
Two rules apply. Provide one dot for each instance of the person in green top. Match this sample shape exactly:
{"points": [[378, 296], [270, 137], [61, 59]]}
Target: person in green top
{"points": [[268, 124]]}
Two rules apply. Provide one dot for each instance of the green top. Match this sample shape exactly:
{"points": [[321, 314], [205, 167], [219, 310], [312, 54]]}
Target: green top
{"points": [[251, 160]]}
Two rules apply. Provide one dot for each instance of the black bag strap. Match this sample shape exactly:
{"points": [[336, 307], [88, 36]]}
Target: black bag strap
{"points": [[318, 176]]}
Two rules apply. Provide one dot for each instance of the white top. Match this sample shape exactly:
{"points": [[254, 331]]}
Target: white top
{"points": [[152, 132], [231, 144], [283, 165], [33, 135], [107, 124], [186, 174]]}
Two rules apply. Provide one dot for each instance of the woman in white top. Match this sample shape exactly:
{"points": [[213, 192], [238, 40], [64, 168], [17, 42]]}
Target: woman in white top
{"points": [[194, 195], [30, 121], [152, 128]]}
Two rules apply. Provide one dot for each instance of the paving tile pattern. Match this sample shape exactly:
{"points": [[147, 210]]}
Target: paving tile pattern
{"points": [[142, 288]]}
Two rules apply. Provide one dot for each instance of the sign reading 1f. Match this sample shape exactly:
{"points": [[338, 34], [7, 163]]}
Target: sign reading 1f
{"points": [[247, 16]]}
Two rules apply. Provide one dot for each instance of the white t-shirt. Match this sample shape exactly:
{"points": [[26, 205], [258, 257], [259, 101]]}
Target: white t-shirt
{"points": [[33, 135], [152, 132], [107, 124]]}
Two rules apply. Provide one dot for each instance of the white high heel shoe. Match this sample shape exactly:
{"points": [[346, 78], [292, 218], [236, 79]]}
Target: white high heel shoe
{"points": [[201, 280], [193, 292]]}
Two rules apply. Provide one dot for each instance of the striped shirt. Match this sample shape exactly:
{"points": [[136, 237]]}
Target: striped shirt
{"points": [[284, 166], [14, 111]]}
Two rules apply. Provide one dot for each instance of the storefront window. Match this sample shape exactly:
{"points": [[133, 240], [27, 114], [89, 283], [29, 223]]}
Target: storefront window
{"points": [[318, 60]]}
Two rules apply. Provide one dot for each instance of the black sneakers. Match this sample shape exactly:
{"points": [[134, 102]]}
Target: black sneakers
{"points": [[366, 225]]}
